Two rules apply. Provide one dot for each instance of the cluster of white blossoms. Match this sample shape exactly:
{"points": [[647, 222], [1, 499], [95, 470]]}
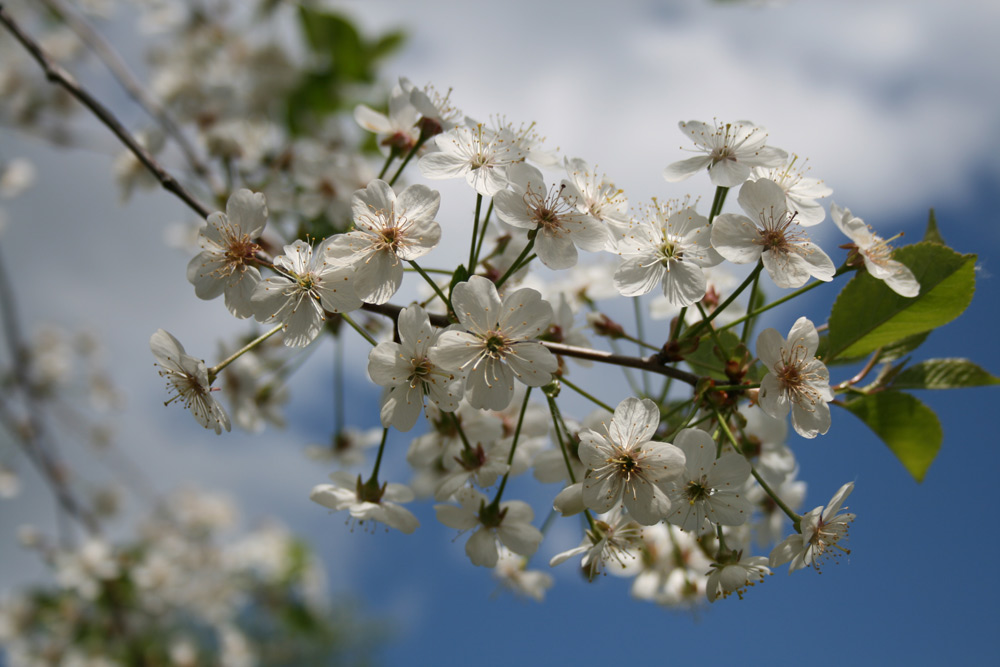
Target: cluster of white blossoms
{"points": [[675, 492]]}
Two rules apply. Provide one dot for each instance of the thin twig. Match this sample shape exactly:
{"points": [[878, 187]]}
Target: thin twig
{"points": [[59, 76], [120, 71]]}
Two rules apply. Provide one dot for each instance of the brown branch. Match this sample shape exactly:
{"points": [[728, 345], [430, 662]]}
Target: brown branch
{"points": [[650, 364], [120, 71], [59, 76]]}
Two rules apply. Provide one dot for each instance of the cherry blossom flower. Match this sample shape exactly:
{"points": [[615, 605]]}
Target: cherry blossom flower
{"points": [[365, 504], [309, 286], [772, 235], [801, 193], [510, 524], [496, 346], [228, 248], [735, 576], [596, 196], [615, 537], [559, 226], [821, 533], [797, 380], [709, 490], [627, 466], [875, 252], [667, 249], [511, 571], [408, 375], [397, 129], [187, 378], [479, 154], [732, 149], [388, 230]]}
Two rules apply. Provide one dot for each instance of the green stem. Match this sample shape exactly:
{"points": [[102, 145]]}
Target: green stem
{"points": [[513, 448], [430, 281], [679, 324], [214, 371], [589, 397], [712, 332], [406, 160], [517, 262], [482, 235], [753, 297], [720, 199], [361, 330], [475, 235], [735, 387], [560, 428], [461, 433], [725, 304], [393, 154], [640, 328], [792, 514], [338, 385], [788, 297], [378, 458]]}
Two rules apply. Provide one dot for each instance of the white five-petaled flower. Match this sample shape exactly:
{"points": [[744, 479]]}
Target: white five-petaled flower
{"points": [[668, 249], [408, 375], [594, 195], [365, 504], [627, 466], [732, 149], [727, 578], [309, 286], [479, 154], [709, 490], [496, 346], [821, 532], [876, 253], [228, 247], [772, 235], [388, 230], [797, 380], [801, 193], [510, 523], [187, 378], [397, 129], [616, 536], [560, 226]]}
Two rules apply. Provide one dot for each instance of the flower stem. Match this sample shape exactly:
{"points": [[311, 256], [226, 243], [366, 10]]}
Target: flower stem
{"points": [[406, 160], [378, 459], [513, 448], [516, 265], [788, 297], [214, 371], [725, 304], [639, 329], [712, 332], [430, 281], [749, 323], [560, 428], [393, 154], [596, 401], [475, 235], [461, 433], [482, 235], [720, 199], [361, 330]]}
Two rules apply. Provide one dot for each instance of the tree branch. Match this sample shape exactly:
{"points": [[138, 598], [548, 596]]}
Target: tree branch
{"points": [[59, 76]]}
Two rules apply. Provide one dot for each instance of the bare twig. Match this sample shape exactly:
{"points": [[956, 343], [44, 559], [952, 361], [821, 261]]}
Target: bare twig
{"points": [[107, 54], [59, 76]]}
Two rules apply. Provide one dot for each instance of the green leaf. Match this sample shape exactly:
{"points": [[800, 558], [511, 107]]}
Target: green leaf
{"points": [[868, 315], [707, 359], [460, 275], [932, 234], [910, 429], [944, 374]]}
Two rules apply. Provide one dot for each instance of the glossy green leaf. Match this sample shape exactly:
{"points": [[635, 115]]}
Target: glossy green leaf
{"points": [[909, 428], [944, 374], [868, 315]]}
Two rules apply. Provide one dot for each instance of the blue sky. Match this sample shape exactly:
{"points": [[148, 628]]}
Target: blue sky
{"points": [[895, 104]]}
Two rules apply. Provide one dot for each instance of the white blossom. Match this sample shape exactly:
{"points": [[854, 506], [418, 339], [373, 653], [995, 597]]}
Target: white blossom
{"points": [[876, 253], [364, 504], [821, 534], [187, 378], [797, 380], [731, 150], [510, 524], [772, 235]]}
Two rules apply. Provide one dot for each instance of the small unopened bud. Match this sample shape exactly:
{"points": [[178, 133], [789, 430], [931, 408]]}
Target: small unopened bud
{"points": [[605, 326]]}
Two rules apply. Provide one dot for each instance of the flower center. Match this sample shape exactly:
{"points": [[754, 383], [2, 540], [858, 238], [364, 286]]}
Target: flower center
{"points": [[697, 490]]}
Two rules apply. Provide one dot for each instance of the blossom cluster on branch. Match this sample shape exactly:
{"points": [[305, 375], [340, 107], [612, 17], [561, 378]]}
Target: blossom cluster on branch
{"points": [[684, 481]]}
